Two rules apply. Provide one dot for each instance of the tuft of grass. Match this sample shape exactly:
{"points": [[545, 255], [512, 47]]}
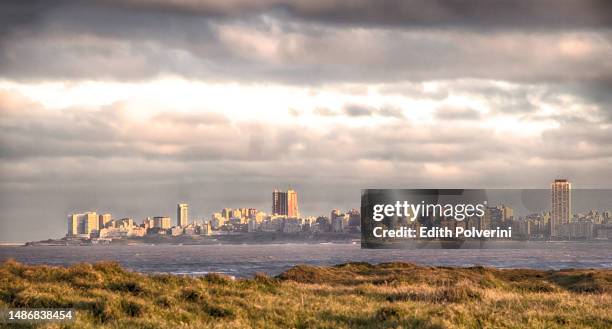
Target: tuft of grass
{"points": [[352, 295]]}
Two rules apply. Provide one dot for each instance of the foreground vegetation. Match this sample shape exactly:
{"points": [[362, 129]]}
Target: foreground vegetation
{"points": [[355, 295]]}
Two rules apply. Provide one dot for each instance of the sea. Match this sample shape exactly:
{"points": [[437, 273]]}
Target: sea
{"points": [[241, 261]]}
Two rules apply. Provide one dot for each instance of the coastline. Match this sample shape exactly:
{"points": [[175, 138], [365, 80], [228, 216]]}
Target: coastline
{"points": [[229, 239]]}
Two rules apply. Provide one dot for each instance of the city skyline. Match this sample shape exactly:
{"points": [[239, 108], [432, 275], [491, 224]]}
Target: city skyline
{"points": [[558, 222], [106, 212]]}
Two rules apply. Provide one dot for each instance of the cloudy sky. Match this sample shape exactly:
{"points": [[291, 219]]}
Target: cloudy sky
{"points": [[131, 106]]}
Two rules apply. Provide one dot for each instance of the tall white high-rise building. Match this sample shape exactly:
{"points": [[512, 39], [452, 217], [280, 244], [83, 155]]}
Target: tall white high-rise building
{"points": [[561, 205], [182, 214]]}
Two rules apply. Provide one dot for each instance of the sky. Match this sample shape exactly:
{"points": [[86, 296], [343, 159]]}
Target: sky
{"points": [[133, 106]]}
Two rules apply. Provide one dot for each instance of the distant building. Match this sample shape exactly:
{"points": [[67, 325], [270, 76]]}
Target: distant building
{"points": [[279, 203], [176, 230], [245, 212], [236, 213], [216, 221], [252, 212], [137, 231], [576, 230], [496, 216], [121, 228], [148, 223], [253, 225], [191, 229], [338, 224], [270, 225], [103, 220], [113, 232], [323, 224], [334, 213], [82, 224], [182, 214], [292, 226], [226, 213], [507, 213], [162, 222], [561, 205], [123, 222], [604, 232], [292, 204], [259, 216], [157, 231], [338, 220], [205, 229], [354, 220]]}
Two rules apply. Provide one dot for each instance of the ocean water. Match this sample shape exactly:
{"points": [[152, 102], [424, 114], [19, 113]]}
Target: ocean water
{"points": [[246, 260]]}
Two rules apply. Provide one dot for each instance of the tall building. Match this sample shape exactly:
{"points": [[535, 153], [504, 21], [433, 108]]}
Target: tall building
{"points": [[561, 205], [182, 214], [82, 224], [285, 203], [279, 203], [292, 204]]}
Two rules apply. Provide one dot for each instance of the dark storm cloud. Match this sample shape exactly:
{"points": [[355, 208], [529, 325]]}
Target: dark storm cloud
{"points": [[418, 13], [263, 41], [597, 91]]}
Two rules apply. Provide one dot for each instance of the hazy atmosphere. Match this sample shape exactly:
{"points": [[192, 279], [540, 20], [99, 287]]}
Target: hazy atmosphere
{"points": [[130, 107]]}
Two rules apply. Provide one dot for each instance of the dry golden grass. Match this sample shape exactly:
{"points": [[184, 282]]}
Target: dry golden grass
{"points": [[355, 295]]}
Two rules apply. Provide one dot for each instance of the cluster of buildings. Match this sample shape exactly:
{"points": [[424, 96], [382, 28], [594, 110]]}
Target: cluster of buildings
{"points": [[91, 225], [285, 217], [567, 226], [559, 223]]}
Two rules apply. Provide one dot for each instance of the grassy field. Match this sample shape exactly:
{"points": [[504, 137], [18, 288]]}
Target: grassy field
{"points": [[356, 295]]}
